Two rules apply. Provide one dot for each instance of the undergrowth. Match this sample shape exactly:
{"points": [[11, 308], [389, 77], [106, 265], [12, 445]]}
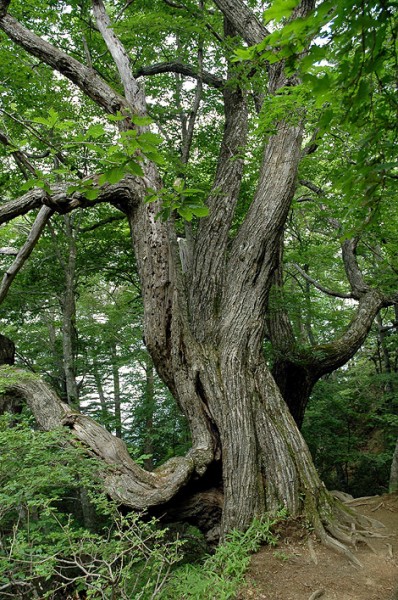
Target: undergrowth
{"points": [[219, 576]]}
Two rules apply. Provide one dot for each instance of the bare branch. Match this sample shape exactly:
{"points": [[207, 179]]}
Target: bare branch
{"points": [[9, 251], [319, 286], [352, 269], [134, 95], [188, 71], [311, 186], [21, 206], [312, 145], [186, 149], [26, 250], [126, 483]]}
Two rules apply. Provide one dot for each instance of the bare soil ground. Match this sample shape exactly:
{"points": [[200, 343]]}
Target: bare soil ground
{"points": [[299, 568]]}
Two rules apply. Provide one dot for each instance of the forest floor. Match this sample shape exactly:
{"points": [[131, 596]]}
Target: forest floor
{"points": [[300, 568]]}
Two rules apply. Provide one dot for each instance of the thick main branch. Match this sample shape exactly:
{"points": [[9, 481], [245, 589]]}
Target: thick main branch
{"points": [[84, 77]]}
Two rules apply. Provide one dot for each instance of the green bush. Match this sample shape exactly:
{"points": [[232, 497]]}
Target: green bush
{"points": [[47, 487], [220, 575]]}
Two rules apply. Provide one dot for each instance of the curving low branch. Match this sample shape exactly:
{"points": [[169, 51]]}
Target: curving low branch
{"points": [[124, 480]]}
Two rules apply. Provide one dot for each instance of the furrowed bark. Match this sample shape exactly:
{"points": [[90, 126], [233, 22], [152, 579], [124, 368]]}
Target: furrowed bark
{"points": [[212, 238], [243, 19]]}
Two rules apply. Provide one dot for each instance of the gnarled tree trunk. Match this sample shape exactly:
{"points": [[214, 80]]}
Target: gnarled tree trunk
{"points": [[204, 325]]}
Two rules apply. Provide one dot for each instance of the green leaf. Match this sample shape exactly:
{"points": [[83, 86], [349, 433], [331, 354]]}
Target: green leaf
{"points": [[185, 213], [151, 138], [135, 169], [115, 175], [91, 194], [141, 121], [95, 131], [242, 54], [279, 10], [200, 211]]}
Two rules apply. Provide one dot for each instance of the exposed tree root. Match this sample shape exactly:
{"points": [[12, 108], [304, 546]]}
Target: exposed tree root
{"points": [[316, 595], [341, 527]]}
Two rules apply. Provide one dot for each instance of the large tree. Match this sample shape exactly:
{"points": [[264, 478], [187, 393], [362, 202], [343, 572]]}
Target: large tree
{"points": [[205, 297]]}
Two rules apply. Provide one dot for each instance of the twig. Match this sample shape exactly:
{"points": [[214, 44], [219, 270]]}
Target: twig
{"points": [[316, 594]]}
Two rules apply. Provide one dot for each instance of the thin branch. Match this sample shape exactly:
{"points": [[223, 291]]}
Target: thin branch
{"points": [[19, 157], [111, 219], [87, 52], [27, 125], [319, 286], [123, 9], [311, 186], [41, 220], [187, 143], [312, 146], [188, 71]]}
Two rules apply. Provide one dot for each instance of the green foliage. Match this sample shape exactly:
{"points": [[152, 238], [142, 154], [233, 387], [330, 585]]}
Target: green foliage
{"points": [[220, 575], [46, 550], [351, 427], [187, 202]]}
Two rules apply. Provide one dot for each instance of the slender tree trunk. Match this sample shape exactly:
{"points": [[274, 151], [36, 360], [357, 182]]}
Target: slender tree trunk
{"points": [[100, 389], [117, 402], [149, 411], [68, 304]]}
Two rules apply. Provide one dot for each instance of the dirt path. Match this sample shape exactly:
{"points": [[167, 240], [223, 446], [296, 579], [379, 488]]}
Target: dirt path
{"points": [[299, 568]]}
